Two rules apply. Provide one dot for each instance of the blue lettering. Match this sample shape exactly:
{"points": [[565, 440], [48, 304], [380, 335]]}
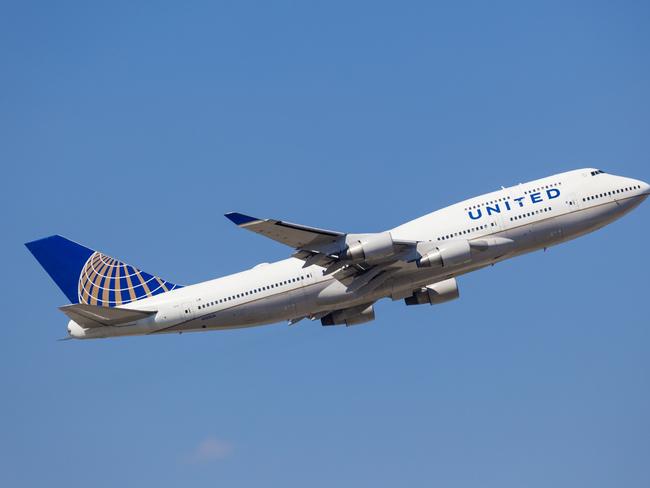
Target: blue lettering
{"points": [[479, 212], [494, 209], [536, 197], [518, 200], [507, 205], [552, 193]]}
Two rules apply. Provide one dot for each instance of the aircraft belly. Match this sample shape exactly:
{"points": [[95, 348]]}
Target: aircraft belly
{"points": [[523, 235], [584, 221], [276, 308]]}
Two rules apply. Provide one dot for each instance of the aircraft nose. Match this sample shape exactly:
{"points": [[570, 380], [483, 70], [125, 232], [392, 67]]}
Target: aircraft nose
{"points": [[75, 330]]}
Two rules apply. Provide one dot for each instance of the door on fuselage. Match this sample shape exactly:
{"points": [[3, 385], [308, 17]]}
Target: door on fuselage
{"points": [[185, 311], [573, 202], [177, 313]]}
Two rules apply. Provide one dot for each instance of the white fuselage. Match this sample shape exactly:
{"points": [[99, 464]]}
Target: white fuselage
{"points": [[529, 216]]}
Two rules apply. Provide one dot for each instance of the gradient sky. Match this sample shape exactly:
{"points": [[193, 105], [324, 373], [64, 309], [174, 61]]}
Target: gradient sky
{"points": [[133, 126]]}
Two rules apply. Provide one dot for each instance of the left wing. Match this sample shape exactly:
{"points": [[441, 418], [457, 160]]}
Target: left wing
{"points": [[365, 260], [294, 235]]}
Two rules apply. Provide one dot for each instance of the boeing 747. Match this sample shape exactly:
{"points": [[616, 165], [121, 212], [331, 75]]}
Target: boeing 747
{"points": [[335, 276]]}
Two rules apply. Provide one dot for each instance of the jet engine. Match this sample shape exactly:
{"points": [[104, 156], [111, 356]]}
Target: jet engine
{"points": [[369, 247], [445, 255], [350, 316], [441, 292]]}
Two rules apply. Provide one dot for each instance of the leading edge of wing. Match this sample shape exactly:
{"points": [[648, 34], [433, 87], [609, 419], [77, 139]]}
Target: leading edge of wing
{"points": [[241, 220], [294, 235]]}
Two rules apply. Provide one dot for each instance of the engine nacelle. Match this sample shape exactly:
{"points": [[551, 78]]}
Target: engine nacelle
{"points": [[369, 247], [441, 292], [350, 316], [445, 255]]}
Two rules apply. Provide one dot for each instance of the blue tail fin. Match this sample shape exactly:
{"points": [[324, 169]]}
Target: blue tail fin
{"points": [[90, 277]]}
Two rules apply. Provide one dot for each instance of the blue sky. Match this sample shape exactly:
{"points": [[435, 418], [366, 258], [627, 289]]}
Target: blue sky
{"points": [[132, 127]]}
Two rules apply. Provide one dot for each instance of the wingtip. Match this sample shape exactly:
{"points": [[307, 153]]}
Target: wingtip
{"points": [[239, 218]]}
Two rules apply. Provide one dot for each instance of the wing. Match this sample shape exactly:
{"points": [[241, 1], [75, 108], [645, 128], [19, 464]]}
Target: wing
{"points": [[294, 235], [91, 316], [362, 261]]}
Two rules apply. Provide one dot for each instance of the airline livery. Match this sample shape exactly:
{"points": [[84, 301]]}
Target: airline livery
{"points": [[336, 277]]}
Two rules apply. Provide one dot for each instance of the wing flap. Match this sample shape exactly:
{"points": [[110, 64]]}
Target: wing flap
{"points": [[91, 316]]}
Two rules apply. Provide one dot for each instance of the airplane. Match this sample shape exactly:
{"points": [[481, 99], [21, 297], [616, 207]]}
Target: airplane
{"points": [[334, 276]]}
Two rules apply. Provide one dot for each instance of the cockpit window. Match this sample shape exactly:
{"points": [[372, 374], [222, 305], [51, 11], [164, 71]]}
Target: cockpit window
{"points": [[597, 172]]}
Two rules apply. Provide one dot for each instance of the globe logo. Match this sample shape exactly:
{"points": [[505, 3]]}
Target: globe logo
{"points": [[104, 281]]}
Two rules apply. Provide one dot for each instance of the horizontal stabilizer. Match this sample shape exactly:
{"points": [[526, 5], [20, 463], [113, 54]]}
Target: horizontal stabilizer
{"points": [[294, 235], [91, 316]]}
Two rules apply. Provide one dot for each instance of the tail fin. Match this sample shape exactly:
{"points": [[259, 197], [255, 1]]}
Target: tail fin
{"points": [[93, 278]]}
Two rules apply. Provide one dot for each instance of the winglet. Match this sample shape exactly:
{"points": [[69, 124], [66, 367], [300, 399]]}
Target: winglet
{"points": [[240, 219]]}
